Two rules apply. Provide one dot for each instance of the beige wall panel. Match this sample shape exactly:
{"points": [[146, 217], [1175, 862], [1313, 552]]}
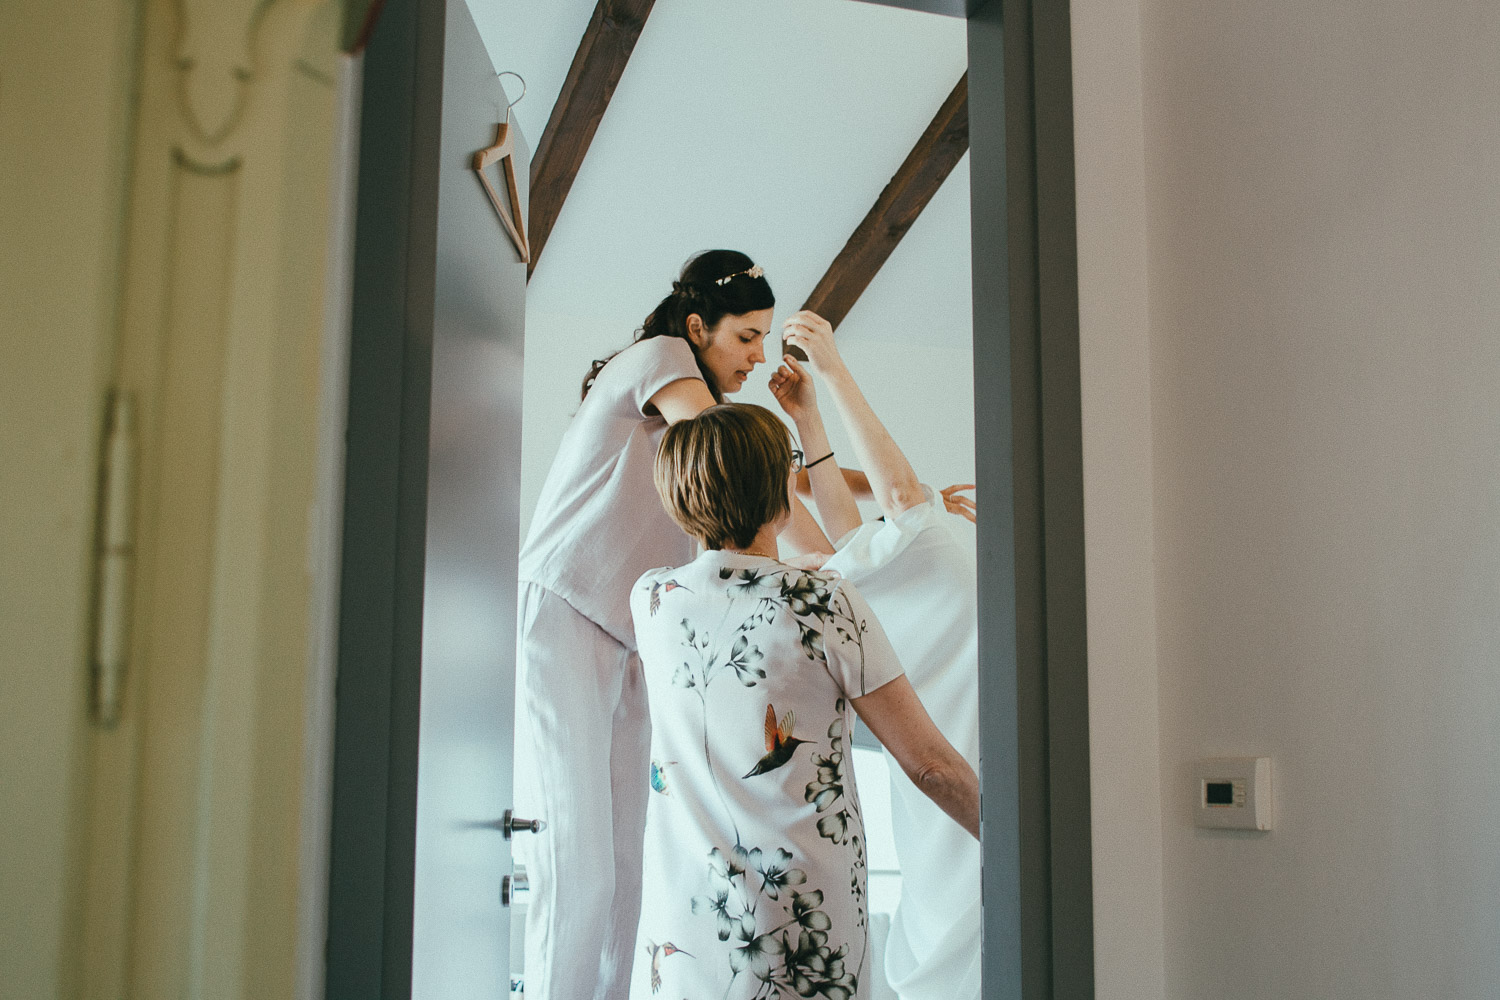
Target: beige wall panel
{"points": [[65, 77], [193, 840], [180, 563], [1115, 370]]}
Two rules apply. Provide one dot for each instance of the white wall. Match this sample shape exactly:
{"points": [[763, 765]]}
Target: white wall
{"points": [[1323, 191], [1117, 460]]}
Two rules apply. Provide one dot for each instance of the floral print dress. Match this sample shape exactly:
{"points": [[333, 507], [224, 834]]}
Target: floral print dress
{"points": [[754, 861]]}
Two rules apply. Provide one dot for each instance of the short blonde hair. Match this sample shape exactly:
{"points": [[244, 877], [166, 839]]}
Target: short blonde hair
{"points": [[722, 475]]}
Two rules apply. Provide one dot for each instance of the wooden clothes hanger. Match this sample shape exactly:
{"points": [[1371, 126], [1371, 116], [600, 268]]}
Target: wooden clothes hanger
{"points": [[503, 150]]}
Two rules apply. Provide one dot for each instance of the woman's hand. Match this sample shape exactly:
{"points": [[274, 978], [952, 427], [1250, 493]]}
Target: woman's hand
{"points": [[814, 335], [962, 506], [793, 388]]}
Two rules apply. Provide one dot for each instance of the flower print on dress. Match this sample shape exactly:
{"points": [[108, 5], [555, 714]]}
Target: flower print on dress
{"points": [[754, 955], [827, 788], [743, 658], [814, 969], [746, 581], [811, 969], [806, 593], [777, 874]]}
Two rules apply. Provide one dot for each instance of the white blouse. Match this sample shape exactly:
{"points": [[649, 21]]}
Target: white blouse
{"points": [[918, 573]]}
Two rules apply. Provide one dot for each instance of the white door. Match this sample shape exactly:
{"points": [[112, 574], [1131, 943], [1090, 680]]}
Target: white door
{"points": [[460, 944], [427, 644]]}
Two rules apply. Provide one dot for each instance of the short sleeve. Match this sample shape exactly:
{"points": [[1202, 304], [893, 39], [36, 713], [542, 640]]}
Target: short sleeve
{"points": [[860, 656], [637, 373]]}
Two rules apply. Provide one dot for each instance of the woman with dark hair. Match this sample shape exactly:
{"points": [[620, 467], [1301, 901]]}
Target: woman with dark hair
{"points": [[582, 727], [755, 859]]}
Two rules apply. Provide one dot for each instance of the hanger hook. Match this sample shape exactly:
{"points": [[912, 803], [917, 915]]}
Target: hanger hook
{"points": [[518, 76]]}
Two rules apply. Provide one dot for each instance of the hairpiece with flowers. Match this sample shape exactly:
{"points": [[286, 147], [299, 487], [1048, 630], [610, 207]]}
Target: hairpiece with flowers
{"points": [[755, 271]]}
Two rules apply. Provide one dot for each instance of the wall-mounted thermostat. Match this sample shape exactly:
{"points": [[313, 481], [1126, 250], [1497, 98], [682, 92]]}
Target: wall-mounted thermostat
{"points": [[1234, 793]]}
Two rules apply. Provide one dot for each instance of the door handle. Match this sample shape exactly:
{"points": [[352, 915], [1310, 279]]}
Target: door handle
{"points": [[510, 885], [511, 824]]}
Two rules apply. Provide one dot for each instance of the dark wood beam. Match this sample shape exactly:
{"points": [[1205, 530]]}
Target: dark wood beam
{"points": [[596, 70], [928, 164]]}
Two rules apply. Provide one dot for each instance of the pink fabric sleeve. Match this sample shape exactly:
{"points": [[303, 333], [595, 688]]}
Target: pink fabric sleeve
{"points": [[637, 373]]}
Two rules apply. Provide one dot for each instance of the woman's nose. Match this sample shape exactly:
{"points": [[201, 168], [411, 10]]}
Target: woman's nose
{"points": [[758, 352]]}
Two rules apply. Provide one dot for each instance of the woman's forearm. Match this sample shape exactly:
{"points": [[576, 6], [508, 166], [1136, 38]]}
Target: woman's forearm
{"points": [[831, 494], [953, 787], [896, 716], [858, 483], [893, 481]]}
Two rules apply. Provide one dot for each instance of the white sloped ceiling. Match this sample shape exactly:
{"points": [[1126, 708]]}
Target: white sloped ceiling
{"points": [[769, 127]]}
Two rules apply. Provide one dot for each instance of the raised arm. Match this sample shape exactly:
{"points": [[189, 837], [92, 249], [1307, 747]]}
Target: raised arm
{"points": [[858, 483], [793, 389], [899, 721], [803, 536], [892, 480]]}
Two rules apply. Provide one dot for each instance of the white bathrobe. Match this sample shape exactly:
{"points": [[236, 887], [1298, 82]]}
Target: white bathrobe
{"points": [[917, 572]]}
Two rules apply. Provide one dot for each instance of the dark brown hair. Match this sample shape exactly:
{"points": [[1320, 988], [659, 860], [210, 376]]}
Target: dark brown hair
{"points": [[722, 475], [697, 290]]}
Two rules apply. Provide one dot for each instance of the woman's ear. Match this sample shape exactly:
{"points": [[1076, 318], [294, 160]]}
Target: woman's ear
{"points": [[697, 332]]}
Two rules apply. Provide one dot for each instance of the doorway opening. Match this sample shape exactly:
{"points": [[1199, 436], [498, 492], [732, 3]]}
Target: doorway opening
{"points": [[781, 151], [435, 447]]}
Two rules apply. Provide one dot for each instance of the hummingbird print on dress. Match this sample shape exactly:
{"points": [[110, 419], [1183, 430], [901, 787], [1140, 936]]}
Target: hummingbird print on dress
{"points": [[659, 776], [780, 743], [657, 953], [658, 589]]}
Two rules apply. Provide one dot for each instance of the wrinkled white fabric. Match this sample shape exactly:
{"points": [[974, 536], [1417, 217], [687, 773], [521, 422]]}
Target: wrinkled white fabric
{"points": [[917, 571], [582, 737]]}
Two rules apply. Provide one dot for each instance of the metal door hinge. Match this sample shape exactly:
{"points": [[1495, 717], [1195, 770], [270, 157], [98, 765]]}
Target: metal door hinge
{"points": [[115, 560]]}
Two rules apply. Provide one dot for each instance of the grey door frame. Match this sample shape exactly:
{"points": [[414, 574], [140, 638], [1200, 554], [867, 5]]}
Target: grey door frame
{"points": [[373, 840], [1033, 680], [1033, 691], [1033, 638]]}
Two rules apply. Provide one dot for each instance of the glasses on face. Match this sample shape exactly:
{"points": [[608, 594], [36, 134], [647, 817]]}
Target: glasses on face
{"points": [[796, 460]]}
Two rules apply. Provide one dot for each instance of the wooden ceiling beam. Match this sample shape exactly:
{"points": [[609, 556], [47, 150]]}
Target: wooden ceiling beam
{"points": [[928, 164], [596, 70]]}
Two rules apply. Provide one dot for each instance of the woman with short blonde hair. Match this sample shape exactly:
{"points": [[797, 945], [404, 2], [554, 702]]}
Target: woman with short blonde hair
{"points": [[721, 474], [754, 862]]}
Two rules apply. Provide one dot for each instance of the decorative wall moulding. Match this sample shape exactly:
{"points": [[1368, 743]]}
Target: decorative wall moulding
{"points": [[215, 62]]}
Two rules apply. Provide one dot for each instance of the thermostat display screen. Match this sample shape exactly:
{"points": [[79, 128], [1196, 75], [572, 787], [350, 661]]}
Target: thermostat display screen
{"points": [[1218, 793]]}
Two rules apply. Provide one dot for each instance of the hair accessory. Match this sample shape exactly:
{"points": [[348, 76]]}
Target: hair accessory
{"points": [[754, 271], [809, 465]]}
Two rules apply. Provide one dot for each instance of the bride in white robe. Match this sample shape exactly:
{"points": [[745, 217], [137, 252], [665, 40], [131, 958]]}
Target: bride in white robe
{"points": [[916, 569]]}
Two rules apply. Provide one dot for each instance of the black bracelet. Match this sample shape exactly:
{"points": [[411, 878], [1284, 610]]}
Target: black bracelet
{"points": [[809, 465]]}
